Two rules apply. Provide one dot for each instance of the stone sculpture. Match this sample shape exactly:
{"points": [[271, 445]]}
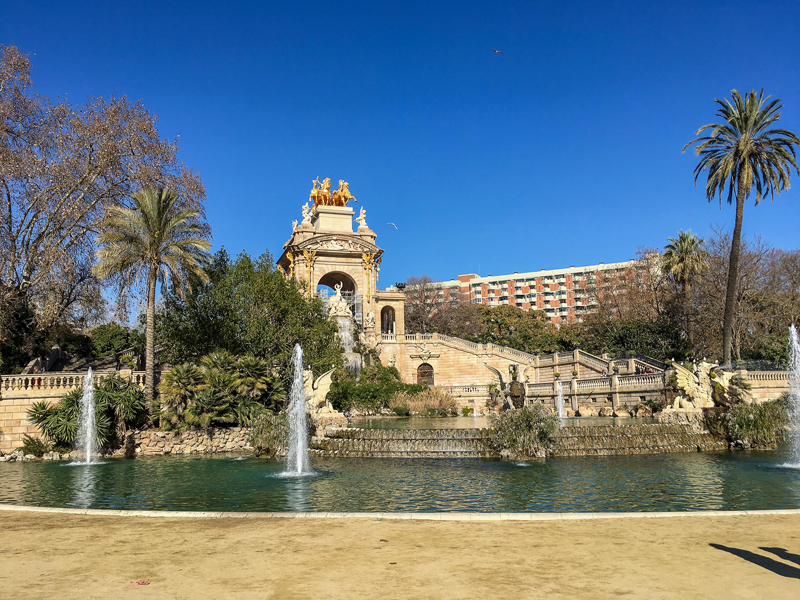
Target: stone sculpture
{"points": [[294, 224], [337, 305], [317, 392], [361, 219], [513, 392], [306, 214], [706, 387], [369, 320]]}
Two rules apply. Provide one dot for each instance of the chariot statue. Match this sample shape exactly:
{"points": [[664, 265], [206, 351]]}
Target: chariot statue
{"points": [[321, 194]]}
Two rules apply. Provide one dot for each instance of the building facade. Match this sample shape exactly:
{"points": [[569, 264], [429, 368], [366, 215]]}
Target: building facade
{"points": [[564, 295]]}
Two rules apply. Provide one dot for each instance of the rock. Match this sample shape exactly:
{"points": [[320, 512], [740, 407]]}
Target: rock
{"points": [[586, 410], [622, 412], [641, 411], [605, 411], [3, 458], [30, 457]]}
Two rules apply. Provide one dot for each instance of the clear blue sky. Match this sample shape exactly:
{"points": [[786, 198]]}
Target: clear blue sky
{"points": [[564, 150]]}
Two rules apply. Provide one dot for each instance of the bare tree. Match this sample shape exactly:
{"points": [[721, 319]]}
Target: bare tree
{"points": [[62, 167]]}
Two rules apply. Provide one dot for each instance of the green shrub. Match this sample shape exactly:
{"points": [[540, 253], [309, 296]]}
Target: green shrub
{"points": [[372, 391], [401, 411], [466, 411], [523, 432], [757, 425], [119, 404], [36, 446], [269, 434]]}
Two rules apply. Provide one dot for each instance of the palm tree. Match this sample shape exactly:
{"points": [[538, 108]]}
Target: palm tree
{"points": [[684, 259], [743, 152], [157, 240], [177, 391]]}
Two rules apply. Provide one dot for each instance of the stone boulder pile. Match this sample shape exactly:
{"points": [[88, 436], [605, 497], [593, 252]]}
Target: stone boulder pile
{"points": [[201, 441]]}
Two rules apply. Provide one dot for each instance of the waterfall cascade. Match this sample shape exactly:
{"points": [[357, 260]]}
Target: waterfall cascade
{"points": [[794, 394], [347, 336], [560, 401], [87, 424], [297, 462]]}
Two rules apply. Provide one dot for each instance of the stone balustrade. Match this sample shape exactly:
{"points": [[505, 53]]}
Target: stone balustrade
{"points": [[19, 392]]}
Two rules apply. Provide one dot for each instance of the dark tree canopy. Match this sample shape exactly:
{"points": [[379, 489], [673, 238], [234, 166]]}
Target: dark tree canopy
{"points": [[248, 307]]}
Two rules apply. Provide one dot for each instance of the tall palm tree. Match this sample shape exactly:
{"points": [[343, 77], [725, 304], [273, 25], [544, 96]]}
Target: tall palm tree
{"points": [[684, 259], [743, 152], [155, 240]]}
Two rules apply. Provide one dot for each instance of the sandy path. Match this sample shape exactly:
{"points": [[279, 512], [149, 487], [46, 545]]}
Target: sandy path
{"points": [[74, 556]]}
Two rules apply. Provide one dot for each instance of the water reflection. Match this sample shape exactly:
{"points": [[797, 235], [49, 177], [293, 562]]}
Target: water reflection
{"points": [[692, 481], [83, 485]]}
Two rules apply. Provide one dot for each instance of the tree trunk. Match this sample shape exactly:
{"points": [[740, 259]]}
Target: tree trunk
{"points": [[733, 275], [688, 308], [150, 334]]}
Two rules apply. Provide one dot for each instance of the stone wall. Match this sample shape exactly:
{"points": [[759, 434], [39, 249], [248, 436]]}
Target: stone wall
{"points": [[201, 441], [19, 392]]}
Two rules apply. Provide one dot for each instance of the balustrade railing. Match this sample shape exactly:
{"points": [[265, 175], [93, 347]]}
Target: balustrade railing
{"points": [[603, 383], [766, 376], [655, 379], [539, 389], [58, 382], [466, 389]]}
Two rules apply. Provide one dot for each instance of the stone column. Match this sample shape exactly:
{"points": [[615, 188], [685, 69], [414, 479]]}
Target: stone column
{"points": [[573, 390], [614, 391], [576, 357]]}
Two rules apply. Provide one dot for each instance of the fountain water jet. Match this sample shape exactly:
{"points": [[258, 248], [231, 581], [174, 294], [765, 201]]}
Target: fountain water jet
{"points": [[297, 463], [794, 395], [87, 422], [560, 401]]}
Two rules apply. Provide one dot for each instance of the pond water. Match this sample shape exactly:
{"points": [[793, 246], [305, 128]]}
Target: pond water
{"points": [[660, 482]]}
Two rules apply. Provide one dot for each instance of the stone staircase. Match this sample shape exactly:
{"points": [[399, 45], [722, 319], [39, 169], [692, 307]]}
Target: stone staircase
{"points": [[401, 443], [632, 439]]}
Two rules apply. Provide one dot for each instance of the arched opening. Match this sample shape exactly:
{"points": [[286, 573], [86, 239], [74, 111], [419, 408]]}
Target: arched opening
{"points": [[387, 320], [425, 374], [325, 290]]}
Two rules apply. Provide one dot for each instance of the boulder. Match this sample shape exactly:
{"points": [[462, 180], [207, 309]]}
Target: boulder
{"points": [[586, 410], [605, 411], [641, 411], [622, 412]]}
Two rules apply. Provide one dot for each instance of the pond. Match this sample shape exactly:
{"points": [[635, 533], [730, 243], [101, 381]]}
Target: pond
{"points": [[659, 482]]}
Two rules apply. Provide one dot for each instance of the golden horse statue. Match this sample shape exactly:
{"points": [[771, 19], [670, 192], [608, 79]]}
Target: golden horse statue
{"points": [[321, 193]]}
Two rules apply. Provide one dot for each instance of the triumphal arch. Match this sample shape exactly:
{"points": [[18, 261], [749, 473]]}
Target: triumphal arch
{"points": [[325, 250]]}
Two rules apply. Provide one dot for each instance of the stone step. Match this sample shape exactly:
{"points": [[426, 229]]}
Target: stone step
{"points": [[354, 433], [398, 445], [611, 451], [399, 454]]}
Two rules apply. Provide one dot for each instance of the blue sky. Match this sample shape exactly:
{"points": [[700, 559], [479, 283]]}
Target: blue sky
{"points": [[564, 150]]}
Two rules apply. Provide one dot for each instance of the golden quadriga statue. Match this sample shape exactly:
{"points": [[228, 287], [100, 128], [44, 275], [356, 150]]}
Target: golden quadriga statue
{"points": [[321, 194]]}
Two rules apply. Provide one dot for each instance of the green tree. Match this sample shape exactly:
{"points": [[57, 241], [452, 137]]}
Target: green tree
{"points": [[156, 240], [685, 259], [109, 338], [249, 308], [742, 152]]}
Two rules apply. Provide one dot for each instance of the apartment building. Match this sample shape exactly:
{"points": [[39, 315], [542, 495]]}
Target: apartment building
{"points": [[565, 295]]}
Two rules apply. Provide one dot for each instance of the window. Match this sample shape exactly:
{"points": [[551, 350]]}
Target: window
{"points": [[425, 374]]}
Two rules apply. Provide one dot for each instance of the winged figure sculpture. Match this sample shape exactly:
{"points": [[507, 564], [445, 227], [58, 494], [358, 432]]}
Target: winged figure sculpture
{"points": [[317, 391]]}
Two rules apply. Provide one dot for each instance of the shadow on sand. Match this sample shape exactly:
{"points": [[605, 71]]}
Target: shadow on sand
{"points": [[766, 562]]}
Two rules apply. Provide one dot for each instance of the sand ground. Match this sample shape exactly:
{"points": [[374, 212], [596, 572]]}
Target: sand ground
{"points": [[77, 556]]}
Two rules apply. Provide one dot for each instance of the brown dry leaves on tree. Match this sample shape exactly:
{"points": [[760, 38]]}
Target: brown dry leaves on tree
{"points": [[61, 167]]}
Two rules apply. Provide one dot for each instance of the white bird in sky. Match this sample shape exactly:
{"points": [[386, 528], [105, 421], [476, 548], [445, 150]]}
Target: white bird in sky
{"points": [[393, 225], [496, 51]]}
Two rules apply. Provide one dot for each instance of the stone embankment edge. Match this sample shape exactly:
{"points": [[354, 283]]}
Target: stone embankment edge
{"points": [[416, 516]]}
